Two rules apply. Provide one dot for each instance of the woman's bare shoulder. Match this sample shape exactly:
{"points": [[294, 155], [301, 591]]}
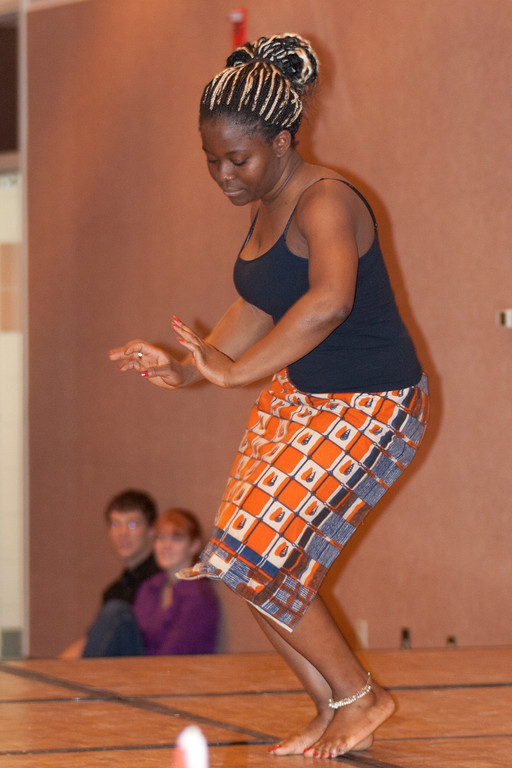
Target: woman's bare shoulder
{"points": [[325, 203], [322, 187]]}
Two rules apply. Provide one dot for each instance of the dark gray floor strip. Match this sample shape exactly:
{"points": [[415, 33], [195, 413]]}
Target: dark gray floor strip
{"points": [[114, 748], [367, 762], [447, 686], [454, 737]]}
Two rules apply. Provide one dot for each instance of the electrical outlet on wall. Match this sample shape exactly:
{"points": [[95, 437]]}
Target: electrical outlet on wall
{"points": [[504, 318]]}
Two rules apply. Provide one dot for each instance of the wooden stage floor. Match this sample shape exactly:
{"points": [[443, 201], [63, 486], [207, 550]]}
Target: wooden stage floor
{"points": [[454, 710]]}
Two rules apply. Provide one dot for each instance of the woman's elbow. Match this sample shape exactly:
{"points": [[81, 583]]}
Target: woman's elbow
{"points": [[341, 313], [331, 315]]}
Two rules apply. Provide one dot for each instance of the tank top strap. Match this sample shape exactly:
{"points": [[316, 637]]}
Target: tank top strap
{"points": [[329, 178], [249, 234]]}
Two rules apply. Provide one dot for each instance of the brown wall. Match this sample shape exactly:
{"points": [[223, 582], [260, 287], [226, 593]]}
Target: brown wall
{"points": [[125, 229]]}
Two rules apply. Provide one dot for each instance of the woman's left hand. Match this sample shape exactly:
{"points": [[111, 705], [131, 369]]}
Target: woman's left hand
{"points": [[209, 361]]}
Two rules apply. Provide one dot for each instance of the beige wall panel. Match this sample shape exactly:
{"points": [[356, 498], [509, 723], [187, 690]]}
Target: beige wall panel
{"points": [[126, 229]]}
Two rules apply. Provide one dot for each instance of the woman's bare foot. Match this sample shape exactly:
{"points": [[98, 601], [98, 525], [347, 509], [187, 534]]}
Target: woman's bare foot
{"points": [[352, 727], [299, 742]]}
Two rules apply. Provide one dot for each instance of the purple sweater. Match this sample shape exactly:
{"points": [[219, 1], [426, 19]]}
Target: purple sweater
{"points": [[189, 625]]}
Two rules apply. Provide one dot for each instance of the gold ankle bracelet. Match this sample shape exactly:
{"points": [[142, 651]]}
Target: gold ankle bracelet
{"points": [[350, 699]]}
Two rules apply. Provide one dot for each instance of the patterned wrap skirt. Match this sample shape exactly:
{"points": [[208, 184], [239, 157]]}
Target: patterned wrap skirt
{"points": [[307, 472]]}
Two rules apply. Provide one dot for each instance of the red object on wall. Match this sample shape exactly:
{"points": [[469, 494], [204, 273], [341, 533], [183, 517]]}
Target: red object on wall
{"points": [[239, 27]]}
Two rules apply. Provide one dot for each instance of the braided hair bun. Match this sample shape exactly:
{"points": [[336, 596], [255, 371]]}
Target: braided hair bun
{"points": [[290, 53], [264, 85]]}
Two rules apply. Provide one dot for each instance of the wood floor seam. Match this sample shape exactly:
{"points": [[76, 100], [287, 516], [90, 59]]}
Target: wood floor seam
{"points": [[362, 761], [451, 737], [121, 748]]}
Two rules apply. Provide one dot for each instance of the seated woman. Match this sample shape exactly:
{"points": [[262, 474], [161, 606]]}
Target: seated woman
{"points": [[168, 616], [176, 616]]}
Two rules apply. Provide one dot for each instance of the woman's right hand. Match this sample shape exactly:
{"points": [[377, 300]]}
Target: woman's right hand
{"points": [[151, 362]]}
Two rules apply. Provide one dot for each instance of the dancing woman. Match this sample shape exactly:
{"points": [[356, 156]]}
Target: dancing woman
{"points": [[347, 404]]}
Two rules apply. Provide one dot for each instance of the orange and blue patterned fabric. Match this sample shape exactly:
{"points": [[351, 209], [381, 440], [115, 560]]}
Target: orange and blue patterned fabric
{"points": [[308, 471]]}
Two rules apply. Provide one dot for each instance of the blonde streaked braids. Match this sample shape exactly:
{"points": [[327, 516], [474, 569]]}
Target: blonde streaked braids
{"points": [[263, 85]]}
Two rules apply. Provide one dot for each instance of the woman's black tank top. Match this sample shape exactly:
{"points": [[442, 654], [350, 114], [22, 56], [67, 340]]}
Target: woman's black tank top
{"points": [[371, 351]]}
